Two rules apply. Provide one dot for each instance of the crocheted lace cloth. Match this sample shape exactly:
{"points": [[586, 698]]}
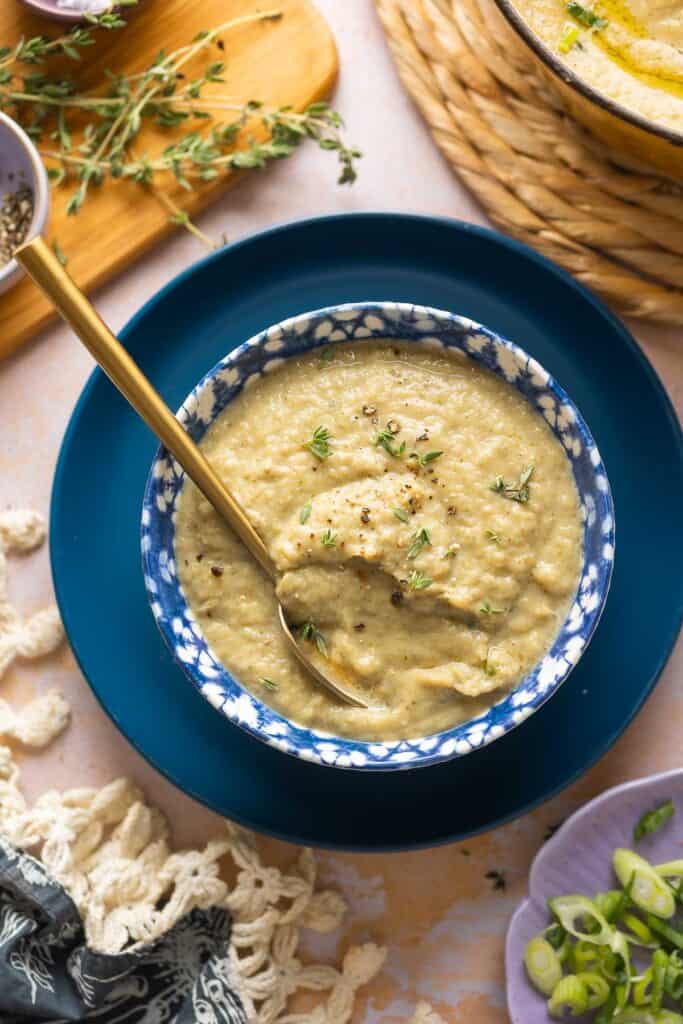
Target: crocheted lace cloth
{"points": [[112, 852]]}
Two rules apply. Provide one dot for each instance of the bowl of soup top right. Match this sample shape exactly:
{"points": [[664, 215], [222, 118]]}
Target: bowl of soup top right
{"points": [[440, 519]]}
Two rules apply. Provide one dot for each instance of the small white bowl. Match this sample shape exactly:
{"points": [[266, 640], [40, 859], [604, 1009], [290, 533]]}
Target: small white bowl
{"points": [[20, 165]]}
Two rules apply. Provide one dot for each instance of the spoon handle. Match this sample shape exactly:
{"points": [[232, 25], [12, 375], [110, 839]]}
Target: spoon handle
{"points": [[37, 258]]}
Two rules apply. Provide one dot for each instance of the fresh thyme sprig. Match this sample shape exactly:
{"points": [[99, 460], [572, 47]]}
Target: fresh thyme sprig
{"points": [[515, 491], [328, 539], [385, 439], [418, 580], [89, 137], [319, 445], [305, 513], [488, 609], [426, 458], [420, 540], [309, 631], [401, 515]]}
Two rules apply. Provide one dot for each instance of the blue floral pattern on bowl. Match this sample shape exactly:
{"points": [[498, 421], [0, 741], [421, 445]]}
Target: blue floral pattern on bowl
{"points": [[356, 322]]}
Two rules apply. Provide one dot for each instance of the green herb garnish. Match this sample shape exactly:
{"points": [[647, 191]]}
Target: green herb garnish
{"points": [[165, 93], [319, 445], [401, 514], [488, 609], [489, 669], [424, 460], [385, 439], [327, 354], [568, 38], [518, 491], [420, 540], [267, 683], [309, 631], [305, 513], [585, 16], [653, 820], [418, 580], [59, 253], [328, 539], [495, 537], [452, 551]]}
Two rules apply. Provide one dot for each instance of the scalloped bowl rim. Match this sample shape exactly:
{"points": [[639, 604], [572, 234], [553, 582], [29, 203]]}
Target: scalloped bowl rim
{"points": [[242, 707]]}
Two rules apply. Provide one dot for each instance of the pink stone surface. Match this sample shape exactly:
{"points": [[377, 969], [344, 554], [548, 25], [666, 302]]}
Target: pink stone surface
{"points": [[435, 910]]}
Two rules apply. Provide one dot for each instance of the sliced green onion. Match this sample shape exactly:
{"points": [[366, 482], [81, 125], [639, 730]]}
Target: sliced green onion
{"points": [[606, 1012], [672, 869], [642, 989], [584, 955], [610, 903], [646, 888], [640, 932], [653, 820], [671, 975], [570, 994], [634, 1015], [570, 34], [669, 934], [542, 965], [660, 971], [620, 969], [597, 988], [668, 1017], [571, 909]]}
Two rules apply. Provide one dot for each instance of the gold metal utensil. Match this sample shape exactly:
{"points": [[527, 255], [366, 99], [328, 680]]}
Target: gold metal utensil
{"points": [[43, 266]]}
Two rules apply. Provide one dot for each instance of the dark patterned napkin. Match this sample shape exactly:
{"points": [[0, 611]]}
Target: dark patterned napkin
{"points": [[48, 974]]}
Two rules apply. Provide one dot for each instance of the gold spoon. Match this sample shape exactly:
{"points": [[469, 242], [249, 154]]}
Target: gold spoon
{"points": [[37, 258]]}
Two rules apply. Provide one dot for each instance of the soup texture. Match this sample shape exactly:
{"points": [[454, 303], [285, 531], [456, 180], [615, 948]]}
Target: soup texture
{"points": [[630, 50], [424, 522]]}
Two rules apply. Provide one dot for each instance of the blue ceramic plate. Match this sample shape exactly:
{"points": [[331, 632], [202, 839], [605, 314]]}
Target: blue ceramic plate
{"points": [[231, 296]]}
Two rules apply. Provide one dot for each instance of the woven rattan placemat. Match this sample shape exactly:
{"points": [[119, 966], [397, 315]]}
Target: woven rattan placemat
{"points": [[538, 174]]}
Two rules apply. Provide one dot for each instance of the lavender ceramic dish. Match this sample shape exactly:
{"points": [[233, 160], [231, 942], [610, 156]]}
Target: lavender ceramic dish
{"points": [[68, 10], [419, 325], [578, 859], [21, 165]]}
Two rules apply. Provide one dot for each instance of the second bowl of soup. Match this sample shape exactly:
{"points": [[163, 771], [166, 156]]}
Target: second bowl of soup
{"points": [[439, 516]]}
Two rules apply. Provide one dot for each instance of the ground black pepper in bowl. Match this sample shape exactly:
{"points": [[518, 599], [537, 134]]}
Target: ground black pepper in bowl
{"points": [[16, 215]]}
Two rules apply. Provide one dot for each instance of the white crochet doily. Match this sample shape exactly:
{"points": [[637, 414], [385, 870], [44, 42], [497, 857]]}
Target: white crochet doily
{"points": [[113, 853]]}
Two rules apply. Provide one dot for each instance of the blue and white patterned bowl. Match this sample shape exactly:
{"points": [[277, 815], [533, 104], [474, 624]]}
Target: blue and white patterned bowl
{"points": [[421, 326]]}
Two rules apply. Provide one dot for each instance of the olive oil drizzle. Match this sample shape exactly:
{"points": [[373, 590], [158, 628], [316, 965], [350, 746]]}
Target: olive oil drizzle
{"points": [[618, 12]]}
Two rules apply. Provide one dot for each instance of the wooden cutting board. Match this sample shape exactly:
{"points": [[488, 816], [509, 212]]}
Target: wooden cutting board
{"points": [[291, 61]]}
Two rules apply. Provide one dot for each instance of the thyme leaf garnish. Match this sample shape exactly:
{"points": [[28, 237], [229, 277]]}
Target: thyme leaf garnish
{"points": [[59, 252], [426, 458], [267, 683], [518, 491], [305, 513], [309, 631], [418, 580], [420, 540], [495, 537], [328, 539], [319, 445], [401, 514], [488, 609], [585, 16], [385, 439]]}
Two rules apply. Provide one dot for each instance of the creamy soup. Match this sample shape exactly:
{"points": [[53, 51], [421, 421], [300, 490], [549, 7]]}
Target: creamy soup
{"points": [[425, 524], [630, 50]]}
